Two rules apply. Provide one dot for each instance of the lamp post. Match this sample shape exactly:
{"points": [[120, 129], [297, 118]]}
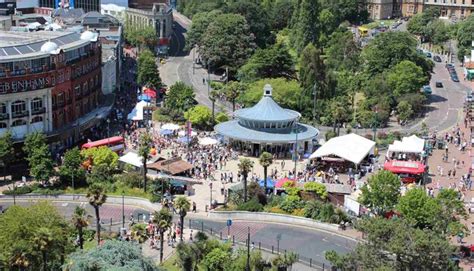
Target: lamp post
{"points": [[374, 125], [296, 146], [194, 60], [210, 200], [314, 102], [208, 78], [123, 209]]}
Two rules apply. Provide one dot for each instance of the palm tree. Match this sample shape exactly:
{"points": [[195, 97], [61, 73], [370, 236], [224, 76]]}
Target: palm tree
{"points": [[245, 165], [213, 97], [144, 151], [97, 197], [80, 220], [183, 205], [162, 220], [232, 92], [44, 240], [265, 160]]}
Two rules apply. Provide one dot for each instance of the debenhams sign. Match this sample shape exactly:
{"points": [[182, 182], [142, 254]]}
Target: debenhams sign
{"points": [[26, 84]]}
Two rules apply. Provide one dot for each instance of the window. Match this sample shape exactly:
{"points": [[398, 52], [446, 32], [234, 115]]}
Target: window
{"points": [[36, 104], [18, 123], [37, 119], [60, 98], [3, 108], [3, 125], [18, 107], [77, 90]]}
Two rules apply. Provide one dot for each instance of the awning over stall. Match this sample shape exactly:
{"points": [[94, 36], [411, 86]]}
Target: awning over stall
{"points": [[411, 144], [171, 166], [407, 167]]}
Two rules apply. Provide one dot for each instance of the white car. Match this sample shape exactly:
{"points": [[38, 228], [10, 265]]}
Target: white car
{"points": [[469, 98]]}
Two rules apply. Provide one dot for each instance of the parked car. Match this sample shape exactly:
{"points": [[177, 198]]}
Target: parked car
{"points": [[439, 84], [428, 54], [455, 78], [469, 98], [437, 58], [426, 90], [449, 65]]}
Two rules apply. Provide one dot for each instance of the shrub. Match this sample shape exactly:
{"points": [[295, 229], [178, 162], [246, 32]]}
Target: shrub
{"points": [[298, 212], [274, 201], [382, 135], [130, 179], [291, 203], [312, 209], [18, 190], [317, 188], [252, 206], [369, 136], [330, 134], [276, 210]]}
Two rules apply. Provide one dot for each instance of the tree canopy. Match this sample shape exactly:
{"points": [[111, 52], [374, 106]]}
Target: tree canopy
{"points": [[101, 156], [38, 156], [307, 28], [33, 236], [148, 70], [381, 193], [180, 97], [199, 115], [406, 77], [227, 42]]}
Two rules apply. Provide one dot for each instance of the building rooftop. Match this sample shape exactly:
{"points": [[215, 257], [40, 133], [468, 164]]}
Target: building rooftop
{"points": [[21, 44]]}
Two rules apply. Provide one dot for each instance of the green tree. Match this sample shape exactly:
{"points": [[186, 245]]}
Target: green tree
{"points": [[97, 197], [280, 13], [162, 220], [199, 115], [391, 245], [221, 117], [285, 260], [307, 28], [183, 205], [265, 160], [80, 220], [71, 169], [6, 150], [217, 260], [404, 111], [406, 77], [101, 156], [33, 238], [313, 71], [381, 193], [144, 146], [148, 71], [232, 91], [464, 37], [419, 209], [257, 19], [342, 53], [38, 156], [245, 166], [199, 26], [180, 97], [287, 93], [452, 209], [213, 96], [272, 62], [112, 255], [353, 11], [227, 42], [390, 48]]}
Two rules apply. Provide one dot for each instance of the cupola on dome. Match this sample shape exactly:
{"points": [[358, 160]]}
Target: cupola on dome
{"points": [[88, 35]]}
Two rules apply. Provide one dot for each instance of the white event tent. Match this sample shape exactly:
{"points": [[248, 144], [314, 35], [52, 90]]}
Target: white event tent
{"points": [[353, 148], [133, 159], [137, 112], [411, 144]]}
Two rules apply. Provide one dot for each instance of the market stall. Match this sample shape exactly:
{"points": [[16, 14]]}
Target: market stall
{"points": [[409, 171]]}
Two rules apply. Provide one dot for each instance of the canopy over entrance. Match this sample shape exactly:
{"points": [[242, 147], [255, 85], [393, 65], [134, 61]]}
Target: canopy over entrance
{"points": [[353, 148], [171, 166], [133, 159], [407, 167]]}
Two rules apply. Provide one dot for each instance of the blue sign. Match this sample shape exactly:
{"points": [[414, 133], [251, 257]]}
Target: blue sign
{"points": [[229, 222]]}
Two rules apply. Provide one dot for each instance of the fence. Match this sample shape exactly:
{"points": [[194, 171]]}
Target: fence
{"points": [[222, 234]]}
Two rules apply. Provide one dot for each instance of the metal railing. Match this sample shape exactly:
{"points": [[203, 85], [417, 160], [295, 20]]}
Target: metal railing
{"points": [[221, 234]]}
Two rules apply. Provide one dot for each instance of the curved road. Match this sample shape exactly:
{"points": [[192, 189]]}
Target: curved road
{"points": [[308, 243], [444, 109]]}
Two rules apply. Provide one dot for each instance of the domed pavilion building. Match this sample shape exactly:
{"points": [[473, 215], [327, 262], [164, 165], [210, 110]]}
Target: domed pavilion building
{"points": [[268, 127]]}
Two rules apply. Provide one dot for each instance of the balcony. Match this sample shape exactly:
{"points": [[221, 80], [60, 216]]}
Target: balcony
{"points": [[20, 114], [37, 111], [4, 116]]}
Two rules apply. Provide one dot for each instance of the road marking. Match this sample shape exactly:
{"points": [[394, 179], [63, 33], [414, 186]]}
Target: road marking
{"points": [[64, 204]]}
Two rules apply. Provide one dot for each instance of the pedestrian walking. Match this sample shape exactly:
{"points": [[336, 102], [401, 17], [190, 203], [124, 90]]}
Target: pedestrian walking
{"points": [[194, 207], [454, 172]]}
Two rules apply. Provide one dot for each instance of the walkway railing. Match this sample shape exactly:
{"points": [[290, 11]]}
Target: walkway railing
{"points": [[221, 234]]}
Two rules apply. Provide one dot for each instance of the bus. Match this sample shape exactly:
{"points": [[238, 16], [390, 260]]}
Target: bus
{"points": [[116, 144], [363, 31]]}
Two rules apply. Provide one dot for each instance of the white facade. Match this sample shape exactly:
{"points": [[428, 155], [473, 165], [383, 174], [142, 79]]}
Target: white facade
{"points": [[26, 113], [109, 75], [113, 10]]}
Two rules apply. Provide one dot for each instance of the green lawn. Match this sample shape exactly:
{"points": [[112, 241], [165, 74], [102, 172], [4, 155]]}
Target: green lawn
{"points": [[378, 23], [131, 192], [169, 264]]}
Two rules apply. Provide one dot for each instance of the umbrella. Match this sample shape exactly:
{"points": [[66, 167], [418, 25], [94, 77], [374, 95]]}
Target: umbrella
{"points": [[170, 126], [184, 139], [144, 97], [207, 141], [281, 182], [150, 92], [270, 183], [165, 132], [183, 133]]}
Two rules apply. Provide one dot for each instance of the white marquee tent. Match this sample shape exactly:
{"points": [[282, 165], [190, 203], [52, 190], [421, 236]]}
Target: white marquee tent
{"points": [[133, 159], [411, 144], [137, 112], [351, 147], [170, 126]]}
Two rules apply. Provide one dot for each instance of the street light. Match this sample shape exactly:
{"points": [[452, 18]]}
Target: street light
{"points": [[123, 209], [108, 127], [374, 125], [210, 201], [314, 102], [296, 146], [208, 78]]}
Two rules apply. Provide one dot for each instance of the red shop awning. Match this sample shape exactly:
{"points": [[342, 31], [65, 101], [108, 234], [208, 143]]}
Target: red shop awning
{"points": [[150, 93], [410, 167]]}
